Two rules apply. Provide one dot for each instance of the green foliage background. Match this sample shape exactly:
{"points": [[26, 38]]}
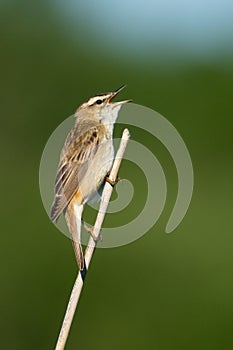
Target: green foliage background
{"points": [[161, 292]]}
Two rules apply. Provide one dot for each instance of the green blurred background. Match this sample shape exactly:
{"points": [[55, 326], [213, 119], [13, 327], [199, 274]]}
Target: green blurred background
{"points": [[163, 291]]}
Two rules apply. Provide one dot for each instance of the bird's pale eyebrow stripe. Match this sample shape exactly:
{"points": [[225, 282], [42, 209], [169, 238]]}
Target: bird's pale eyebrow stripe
{"points": [[93, 100]]}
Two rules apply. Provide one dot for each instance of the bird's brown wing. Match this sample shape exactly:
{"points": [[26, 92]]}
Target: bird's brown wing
{"points": [[75, 156]]}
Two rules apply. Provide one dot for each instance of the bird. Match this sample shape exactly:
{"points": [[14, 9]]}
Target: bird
{"points": [[85, 162]]}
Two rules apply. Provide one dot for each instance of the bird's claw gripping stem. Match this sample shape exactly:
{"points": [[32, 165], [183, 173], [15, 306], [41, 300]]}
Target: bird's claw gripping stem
{"points": [[111, 182]]}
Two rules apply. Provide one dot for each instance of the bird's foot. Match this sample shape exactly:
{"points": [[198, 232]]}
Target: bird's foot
{"points": [[90, 229], [111, 182]]}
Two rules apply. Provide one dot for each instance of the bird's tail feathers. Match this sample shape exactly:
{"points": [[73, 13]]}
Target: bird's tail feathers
{"points": [[73, 220], [78, 254]]}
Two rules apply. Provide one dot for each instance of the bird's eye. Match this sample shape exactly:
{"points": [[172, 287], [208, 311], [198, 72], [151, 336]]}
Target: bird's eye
{"points": [[98, 102]]}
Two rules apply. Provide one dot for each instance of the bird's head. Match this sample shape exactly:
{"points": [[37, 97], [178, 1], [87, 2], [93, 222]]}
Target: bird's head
{"points": [[102, 106]]}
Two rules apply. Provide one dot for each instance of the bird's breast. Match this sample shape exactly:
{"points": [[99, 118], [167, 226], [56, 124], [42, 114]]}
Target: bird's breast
{"points": [[98, 168]]}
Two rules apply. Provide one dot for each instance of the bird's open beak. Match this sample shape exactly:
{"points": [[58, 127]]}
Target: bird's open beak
{"points": [[116, 93]]}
